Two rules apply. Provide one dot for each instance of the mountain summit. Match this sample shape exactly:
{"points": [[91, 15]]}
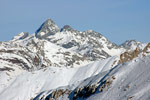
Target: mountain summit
{"points": [[46, 29], [90, 44], [67, 28], [132, 44]]}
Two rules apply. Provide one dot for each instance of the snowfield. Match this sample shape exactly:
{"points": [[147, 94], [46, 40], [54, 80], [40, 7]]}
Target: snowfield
{"points": [[29, 84], [131, 80]]}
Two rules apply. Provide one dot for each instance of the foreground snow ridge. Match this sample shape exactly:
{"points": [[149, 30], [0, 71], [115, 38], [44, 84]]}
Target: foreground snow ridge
{"points": [[66, 64]]}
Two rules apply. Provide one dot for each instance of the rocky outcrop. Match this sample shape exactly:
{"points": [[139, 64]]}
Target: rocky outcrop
{"points": [[56, 94], [147, 49], [84, 92], [131, 44], [21, 56], [81, 92], [106, 83], [67, 28], [46, 29], [128, 56], [21, 35]]}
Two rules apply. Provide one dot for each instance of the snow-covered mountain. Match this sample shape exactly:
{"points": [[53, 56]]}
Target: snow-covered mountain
{"points": [[66, 64], [89, 43], [133, 44]]}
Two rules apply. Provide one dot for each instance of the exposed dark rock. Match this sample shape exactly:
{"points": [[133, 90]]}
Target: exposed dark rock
{"points": [[66, 28], [6, 69], [128, 56], [145, 50], [129, 98], [48, 27], [70, 44], [55, 94], [25, 56]]}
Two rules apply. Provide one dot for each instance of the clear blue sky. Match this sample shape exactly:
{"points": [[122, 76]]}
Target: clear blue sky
{"points": [[118, 20]]}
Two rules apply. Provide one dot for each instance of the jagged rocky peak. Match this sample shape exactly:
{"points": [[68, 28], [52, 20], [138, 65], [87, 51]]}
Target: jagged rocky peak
{"points": [[67, 28], [46, 29], [92, 33], [131, 44], [21, 35], [97, 35]]}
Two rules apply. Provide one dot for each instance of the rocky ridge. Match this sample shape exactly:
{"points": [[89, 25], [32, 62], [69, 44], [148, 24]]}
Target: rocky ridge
{"points": [[67, 46]]}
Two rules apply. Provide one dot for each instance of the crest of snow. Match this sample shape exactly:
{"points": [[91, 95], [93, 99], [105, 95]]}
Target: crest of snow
{"points": [[21, 35], [29, 84], [132, 80]]}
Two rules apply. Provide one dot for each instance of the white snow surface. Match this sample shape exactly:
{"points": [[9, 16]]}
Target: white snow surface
{"points": [[29, 84], [135, 74], [132, 80]]}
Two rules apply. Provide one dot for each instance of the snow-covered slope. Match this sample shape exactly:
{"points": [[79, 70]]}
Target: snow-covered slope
{"points": [[125, 80], [66, 64], [107, 81], [30, 84], [132, 82]]}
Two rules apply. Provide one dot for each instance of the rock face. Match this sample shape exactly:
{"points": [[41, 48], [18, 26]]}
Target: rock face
{"points": [[67, 28], [46, 29], [132, 45], [130, 55], [81, 92], [19, 56], [21, 35], [89, 43]]}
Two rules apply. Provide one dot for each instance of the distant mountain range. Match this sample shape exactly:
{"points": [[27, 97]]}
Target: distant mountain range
{"points": [[67, 64]]}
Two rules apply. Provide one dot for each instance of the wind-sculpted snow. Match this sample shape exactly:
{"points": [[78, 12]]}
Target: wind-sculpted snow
{"points": [[131, 83], [29, 84], [126, 80]]}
